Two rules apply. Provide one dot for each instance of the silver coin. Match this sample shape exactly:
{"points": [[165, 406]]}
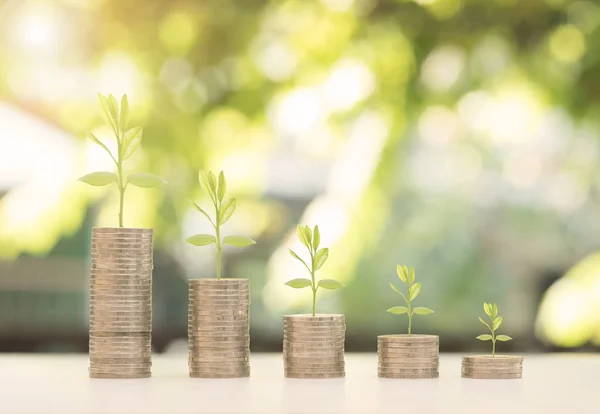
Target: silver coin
{"points": [[430, 375], [314, 375], [492, 376], [496, 360]]}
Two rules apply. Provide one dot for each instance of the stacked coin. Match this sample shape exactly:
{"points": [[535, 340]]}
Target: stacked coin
{"points": [[408, 356], [121, 303], [313, 346], [218, 328], [492, 367]]}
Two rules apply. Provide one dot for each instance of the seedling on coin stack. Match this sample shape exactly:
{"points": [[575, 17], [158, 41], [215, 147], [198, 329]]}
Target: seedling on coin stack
{"points": [[492, 366], [491, 310], [121, 274], [313, 345], [128, 141], [408, 356], [413, 289], [312, 239], [218, 324]]}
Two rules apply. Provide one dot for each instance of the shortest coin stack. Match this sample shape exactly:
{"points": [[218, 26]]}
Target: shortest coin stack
{"points": [[492, 367], [408, 356], [218, 328], [313, 346]]}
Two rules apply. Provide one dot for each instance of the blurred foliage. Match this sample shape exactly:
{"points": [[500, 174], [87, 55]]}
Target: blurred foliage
{"points": [[457, 135]]}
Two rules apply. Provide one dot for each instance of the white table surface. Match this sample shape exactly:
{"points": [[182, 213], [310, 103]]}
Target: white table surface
{"points": [[554, 383]]}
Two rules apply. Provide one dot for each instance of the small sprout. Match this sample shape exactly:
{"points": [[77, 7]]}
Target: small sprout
{"points": [[318, 257], [413, 289], [491, 310], [128, 140], [224, 208]]}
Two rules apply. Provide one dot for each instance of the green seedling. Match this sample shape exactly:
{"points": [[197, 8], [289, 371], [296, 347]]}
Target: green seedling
{"points": [[491, 310], [128, 140], [413, 289], [312, 239], [224, 208]]}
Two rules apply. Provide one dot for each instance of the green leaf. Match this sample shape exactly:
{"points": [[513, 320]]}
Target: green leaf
{"points": [[113, 108], [398, 310], [485, 323], [293, 253], [412, 276], [302, 235], [106, 111], [227, 209], [238, 241], [204, 181], [131, 142], [316, 238], [414, 291], [321, 258], [485, 337], [503, 338], [222, 186], [197, 207], [99, 179], [202, 239], [100, 143], [497, 322], [400, 272], [494, 311], [145, 180], [487, 308], [212, 182], [398, 291], [308, 234], [330, 284], [299, 283], [419, 310], [124, 113]]}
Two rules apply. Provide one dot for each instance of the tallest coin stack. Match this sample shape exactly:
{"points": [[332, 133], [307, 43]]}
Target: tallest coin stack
{"points": [[121, 303]]}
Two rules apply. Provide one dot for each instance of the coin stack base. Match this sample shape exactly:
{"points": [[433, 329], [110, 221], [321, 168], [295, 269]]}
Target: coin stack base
{"points": [[218, 328], [121, 303], [313, 346], [408, 356], [492, 367]]}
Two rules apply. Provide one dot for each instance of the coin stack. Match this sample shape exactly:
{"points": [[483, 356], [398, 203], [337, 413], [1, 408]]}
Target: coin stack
{"points": [[121, 303], [492, 367], [313, 346], [218, 328], [408, 356]]}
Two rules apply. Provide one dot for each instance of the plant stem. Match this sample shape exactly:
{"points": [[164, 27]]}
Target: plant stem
{"points": [[314, 285], [121, 187], [493, 345], [409, 320], [219, 245]]}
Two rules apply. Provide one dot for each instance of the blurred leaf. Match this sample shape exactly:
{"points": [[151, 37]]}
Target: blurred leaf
{"points": [[212, 182], [100, 143], [124, 115], [113, 108], [398, 310], [321, 257], [222, 186], [227, 210], [308, 234], [503, 338], [145, 180], [99, 179], [414, 291], [299, 283], [197, 207], [238, 241], [398, 291], [401, 274], [302, 235], [316, 238], [497, 322], [487, 308], [293, 253], [131, 142], [422, 311], [484, 322], [412, 275], [104, 104], [485, 337], [330, 284], [494, 311], [202, 240]]}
